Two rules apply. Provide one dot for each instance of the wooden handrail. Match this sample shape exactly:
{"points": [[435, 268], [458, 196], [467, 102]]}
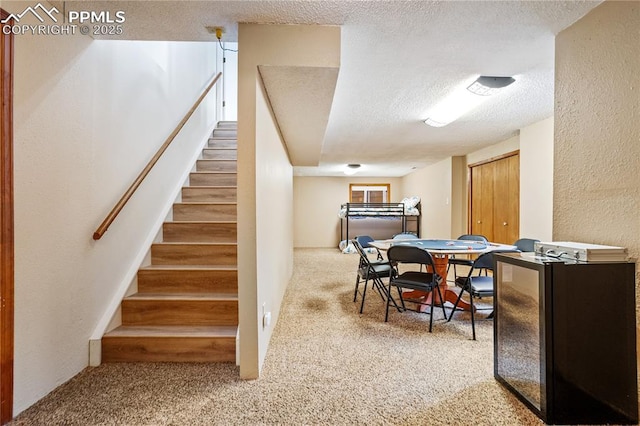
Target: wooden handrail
{"points": [[143, 174]]}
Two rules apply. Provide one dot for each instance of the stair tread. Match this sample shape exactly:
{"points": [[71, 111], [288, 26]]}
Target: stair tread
{"points": [[207, 172], [202, 222], [207, 202], [212, 186], [183, 296], [186, 243], [174, 331], [190, 267]]}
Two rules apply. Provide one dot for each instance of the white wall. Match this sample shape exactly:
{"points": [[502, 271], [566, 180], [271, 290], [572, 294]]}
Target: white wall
{"points": [[536, 180], [274, 232], [317, 201], [230, 81], [88, 115], [286, 45], [597, 130]]}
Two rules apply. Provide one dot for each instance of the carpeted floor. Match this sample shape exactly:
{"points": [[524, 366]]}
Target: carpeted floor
{"points": [[326, 365]]}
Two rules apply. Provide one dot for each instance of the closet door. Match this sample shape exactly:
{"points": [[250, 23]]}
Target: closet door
{"points": [[495, 199], [506, 200], [482, 200]]}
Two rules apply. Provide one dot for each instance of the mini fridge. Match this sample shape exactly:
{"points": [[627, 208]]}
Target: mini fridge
{"points": [[565, 337]]}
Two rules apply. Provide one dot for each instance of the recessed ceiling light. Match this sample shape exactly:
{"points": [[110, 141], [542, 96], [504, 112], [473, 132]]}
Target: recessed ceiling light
{"points": [[351, 169]]}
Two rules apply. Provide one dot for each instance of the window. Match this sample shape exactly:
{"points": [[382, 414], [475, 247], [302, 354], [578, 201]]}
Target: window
{"points": [[369, 193]]}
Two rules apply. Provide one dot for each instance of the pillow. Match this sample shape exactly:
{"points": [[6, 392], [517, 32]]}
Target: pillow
{"points": [[410, 202]]}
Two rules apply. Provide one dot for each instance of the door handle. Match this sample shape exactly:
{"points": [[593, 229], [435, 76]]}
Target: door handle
{"points": [[504, 223]]}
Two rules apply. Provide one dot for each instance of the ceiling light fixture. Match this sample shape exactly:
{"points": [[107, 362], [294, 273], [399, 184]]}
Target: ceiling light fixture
{"points": [[487, 86], [464, 99], [351, 169]]}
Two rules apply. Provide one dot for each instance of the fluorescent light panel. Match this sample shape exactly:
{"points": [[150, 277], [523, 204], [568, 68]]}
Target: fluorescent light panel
{"points": [[487, 86], [463, 100]]}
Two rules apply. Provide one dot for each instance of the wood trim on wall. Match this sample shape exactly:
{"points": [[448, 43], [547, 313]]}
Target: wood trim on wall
{"points": [[492, 159], [387, 185], [6, 227]]}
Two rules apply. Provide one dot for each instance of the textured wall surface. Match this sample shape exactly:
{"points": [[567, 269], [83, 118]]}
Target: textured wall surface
{"points": [[597, 128]]}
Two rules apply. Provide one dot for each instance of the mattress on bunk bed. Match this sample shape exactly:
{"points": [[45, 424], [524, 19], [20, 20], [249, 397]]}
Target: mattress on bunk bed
{"points": [[378, 228], [407, 207]]}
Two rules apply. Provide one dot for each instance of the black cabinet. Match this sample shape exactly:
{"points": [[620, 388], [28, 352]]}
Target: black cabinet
{"points": [[565, 337]]}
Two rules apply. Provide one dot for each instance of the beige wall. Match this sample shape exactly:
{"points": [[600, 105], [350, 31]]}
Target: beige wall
{"points": [[433, 185], [495, 150], [459, 198], [317, 202], [597, 130], [274, 226], [536, 180], [285, 45], [88, 115]]}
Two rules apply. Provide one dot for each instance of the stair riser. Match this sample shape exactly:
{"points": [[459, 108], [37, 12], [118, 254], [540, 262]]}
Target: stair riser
{"points": [[194, 212], [219, 154], [219, 144], [174, 232], [193, 254], [213, 179], [195, 194], [216, 166], [225, 133], [138, 312], [181, 281], [168, 349]]}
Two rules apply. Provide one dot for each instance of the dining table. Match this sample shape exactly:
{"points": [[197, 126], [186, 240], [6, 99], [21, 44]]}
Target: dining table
{"points": [[441, 250]]}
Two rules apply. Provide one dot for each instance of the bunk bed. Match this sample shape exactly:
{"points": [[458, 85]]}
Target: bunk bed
{"points": [[379, 220]]}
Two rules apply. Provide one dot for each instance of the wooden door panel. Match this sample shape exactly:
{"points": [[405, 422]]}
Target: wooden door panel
{"points": [[487, 226], [500, 201], [513, 199], [482, 203], [6, 225]]}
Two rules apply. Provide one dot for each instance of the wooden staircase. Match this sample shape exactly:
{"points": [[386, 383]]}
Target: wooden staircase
{"points": [[186, 307]]}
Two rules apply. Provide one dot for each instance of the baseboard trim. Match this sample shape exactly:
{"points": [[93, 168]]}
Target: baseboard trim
{"points": [[95, 352]]}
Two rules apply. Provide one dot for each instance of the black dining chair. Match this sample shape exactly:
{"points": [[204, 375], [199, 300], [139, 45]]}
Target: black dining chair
{"points": [[412, 280], [477, 286], [370, 271], [526, 244], [461, 261], [364, 241]]}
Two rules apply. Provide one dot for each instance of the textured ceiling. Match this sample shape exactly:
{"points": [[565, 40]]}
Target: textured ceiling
{"points": [[398, 59], [301, 99]]}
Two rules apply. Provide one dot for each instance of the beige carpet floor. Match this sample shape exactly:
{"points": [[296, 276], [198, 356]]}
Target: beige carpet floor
{"points": [[326, 365]]}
